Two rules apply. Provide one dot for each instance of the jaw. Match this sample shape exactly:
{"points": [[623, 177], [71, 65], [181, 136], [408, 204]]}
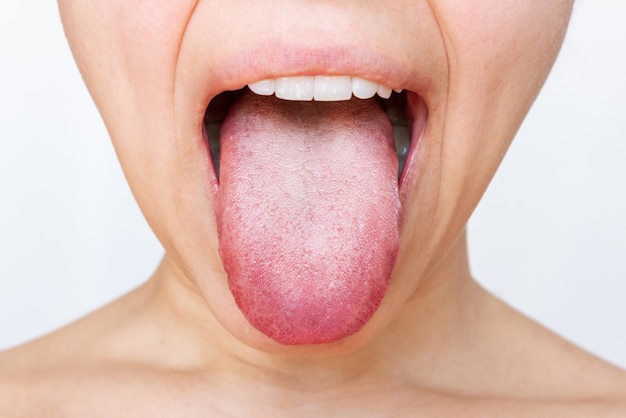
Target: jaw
{"points": [[153, 79]]}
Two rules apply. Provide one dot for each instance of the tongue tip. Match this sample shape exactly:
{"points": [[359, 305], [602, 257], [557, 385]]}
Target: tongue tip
{"points": [[313, 318], [317, 305]]}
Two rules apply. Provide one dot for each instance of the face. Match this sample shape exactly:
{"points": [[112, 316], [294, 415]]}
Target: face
{"points": [[269, 244]]}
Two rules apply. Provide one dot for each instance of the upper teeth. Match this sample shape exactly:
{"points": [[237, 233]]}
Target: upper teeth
{"points": [[321, 88]]}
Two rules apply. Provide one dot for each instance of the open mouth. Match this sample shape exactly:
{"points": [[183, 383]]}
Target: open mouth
{"points": [[308, 207], [321, 88]]}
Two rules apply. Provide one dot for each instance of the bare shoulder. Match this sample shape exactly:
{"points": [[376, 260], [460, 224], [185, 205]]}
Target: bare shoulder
{"points": [[27, 372], [547, 365], [83, 340], [538, 409], [24, 380], [115, 389], [107, 362], [39, 377], [23, 391], [509, 362], [81, 389]]}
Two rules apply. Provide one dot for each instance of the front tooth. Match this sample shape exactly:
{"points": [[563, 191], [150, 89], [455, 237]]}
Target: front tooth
{"points": [[263, 87], [363, 89], [333, 88], [384, 91], [321, 88], [295, 88]]}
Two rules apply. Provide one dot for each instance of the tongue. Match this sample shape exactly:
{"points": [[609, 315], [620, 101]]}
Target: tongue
{"points": [[307, 214]]}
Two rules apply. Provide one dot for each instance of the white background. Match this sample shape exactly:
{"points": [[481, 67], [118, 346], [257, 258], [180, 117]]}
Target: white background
{"points": [[549, 236]]}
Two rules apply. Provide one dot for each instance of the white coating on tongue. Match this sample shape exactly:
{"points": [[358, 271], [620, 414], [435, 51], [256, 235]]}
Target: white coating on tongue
{"points": [[307, 214]]}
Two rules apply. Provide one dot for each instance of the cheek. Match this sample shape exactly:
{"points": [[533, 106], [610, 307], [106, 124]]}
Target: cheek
{"points": [[127, 53], [126, 50], [499, 54], [504, 37]]}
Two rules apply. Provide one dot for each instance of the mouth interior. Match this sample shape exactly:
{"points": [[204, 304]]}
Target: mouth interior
{"points": [[395, 107]]}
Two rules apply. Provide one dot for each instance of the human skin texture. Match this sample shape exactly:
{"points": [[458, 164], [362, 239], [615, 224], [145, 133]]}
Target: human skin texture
{"points": [[153, 70], [435, 344]]}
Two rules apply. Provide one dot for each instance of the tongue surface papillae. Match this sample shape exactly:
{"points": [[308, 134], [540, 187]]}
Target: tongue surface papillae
{"points": [[307, 214]]}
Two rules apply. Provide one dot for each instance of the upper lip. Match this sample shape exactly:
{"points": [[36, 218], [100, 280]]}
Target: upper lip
{"points": [[278, 59]]}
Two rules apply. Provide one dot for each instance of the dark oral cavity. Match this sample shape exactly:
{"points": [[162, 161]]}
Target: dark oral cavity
{"points": [[307, 213], [213, 119], [396, 107]]}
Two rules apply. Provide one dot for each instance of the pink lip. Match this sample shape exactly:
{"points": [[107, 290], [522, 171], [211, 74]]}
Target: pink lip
{"points": [[287, 59], [280, 58]]}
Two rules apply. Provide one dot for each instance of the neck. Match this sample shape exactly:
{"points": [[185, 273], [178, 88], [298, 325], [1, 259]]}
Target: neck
{"points": [[421, 332]]}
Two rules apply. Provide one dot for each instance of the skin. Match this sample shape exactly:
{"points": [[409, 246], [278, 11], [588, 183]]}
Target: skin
{"points": [[439, 345]]}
